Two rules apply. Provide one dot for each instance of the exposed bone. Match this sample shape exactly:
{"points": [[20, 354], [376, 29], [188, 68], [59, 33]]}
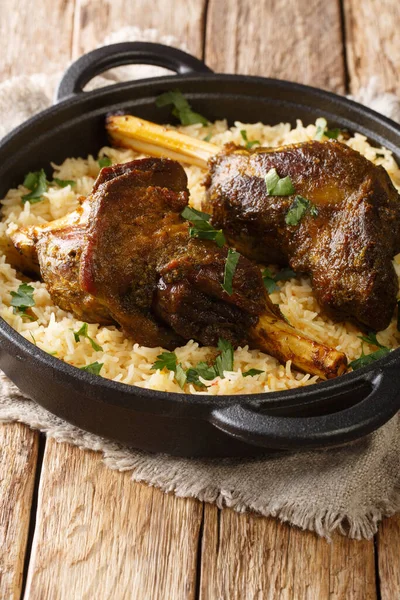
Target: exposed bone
{"points": [[157, 140]]}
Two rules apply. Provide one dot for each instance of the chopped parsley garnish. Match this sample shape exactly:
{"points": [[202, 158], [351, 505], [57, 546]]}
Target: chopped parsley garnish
{"points": [[298, 209], [322, 130], [23, 299], [181, 108], [167, 360], [270, 280], [208, 137], [62, 183], [232, 260], [252, 372], [36, 182], [278, 186], [202, 228], [367, 359], [93, 368], [249, 145], [83, 332], [223, 362], [104, 162]]}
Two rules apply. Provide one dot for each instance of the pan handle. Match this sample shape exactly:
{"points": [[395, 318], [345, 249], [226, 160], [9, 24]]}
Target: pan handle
{"points": [[247, 423], [126, 53]]}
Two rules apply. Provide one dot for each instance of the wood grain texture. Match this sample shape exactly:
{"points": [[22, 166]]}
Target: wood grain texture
{"points": [[95, 20], [18, 457], [36, 36], [287, 39], [99, 535], [388, 545], [372, 43], [245, 556]]}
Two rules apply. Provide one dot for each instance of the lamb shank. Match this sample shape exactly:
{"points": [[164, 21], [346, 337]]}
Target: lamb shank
{"points": [[346, 243], [126, 257]]}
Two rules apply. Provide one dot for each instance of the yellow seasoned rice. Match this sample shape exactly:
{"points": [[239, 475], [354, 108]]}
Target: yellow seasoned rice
{"points": [[130, 363]]}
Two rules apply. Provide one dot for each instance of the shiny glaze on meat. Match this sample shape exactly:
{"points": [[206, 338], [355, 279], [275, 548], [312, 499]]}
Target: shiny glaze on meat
{"points": [[347, 249]]}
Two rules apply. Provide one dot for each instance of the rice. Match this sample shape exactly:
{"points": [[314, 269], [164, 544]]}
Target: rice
{"points": [[129, 363]]}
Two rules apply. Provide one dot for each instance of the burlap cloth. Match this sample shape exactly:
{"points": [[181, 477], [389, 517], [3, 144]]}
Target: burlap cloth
{"points": [[348, 489]]}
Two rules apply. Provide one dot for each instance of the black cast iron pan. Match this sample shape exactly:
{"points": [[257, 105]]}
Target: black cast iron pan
{"points": [[328, 413]]}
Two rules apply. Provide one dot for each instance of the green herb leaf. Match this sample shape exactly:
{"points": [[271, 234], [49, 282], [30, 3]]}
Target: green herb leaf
{"points": [[37, 183], [181, 108], [269, 281], [208, 137], [224, 362], [202, 229], [93, 368], [277, 186], [367, 359], [193, 215], [202, 369], [104, 162], [321, 124], [83, 332], [23, 299], [180, 375], [249, 145], [298, 209], [371, 339], [252, 372], [232, 260], [285, 274], [62, 183], [322, 130], [332, 134], [166, 360]]}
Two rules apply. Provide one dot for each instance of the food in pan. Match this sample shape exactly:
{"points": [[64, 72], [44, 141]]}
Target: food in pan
{"points": [[318, 206], [80, 326], [127, 257]]}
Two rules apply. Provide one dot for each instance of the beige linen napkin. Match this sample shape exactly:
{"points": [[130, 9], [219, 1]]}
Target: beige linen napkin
{"points": [[348, 489]]}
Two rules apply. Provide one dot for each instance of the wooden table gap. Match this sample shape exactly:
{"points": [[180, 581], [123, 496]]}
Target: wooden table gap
{"points": [[33, 511]]}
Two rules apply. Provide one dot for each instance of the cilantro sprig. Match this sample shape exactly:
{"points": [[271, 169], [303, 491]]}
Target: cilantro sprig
{"points": [[278, 186], [37, 183], [181, 108], [298, 209], [248, 144], [201, 226], [104, 162], [94, 368], [83, 332], [62, 183], [223, 362], [270, 279], [322, 130], [252, 372], [231, 262], [23, 299], [367, 359]]}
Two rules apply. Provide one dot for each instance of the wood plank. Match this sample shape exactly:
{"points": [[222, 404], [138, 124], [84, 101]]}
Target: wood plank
{"points": [[245, 556], [95, 20], [18, 459], [99, 535], [372, 43], [35, 37], [388, 544], [287, 39]]}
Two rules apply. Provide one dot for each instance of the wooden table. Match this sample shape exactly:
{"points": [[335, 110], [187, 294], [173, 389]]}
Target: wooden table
{"points": [[69, 527]]}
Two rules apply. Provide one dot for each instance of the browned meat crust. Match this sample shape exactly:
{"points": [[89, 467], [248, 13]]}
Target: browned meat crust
{"points": [[347, 249]]}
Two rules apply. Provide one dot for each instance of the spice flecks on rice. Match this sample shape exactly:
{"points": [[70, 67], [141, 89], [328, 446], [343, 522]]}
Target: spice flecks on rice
{"points": [[124, 361]]}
